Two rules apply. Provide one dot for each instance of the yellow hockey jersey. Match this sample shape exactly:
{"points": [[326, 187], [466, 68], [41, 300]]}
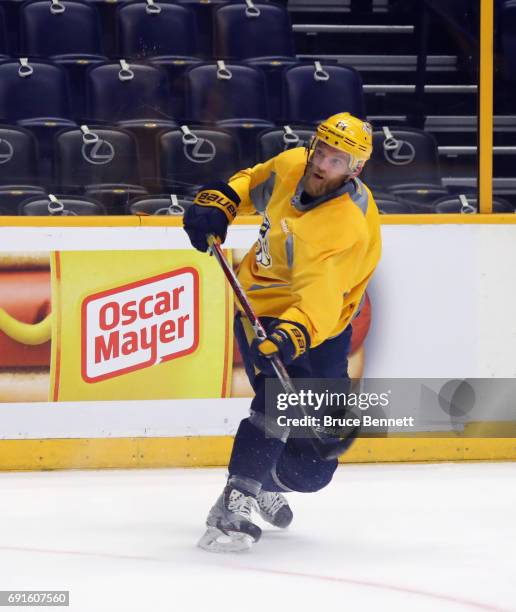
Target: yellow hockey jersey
{"points": [[311, 263]]}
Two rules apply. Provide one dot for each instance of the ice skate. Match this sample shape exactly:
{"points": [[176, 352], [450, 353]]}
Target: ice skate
{"points": [[229, 524], [274, 508]]}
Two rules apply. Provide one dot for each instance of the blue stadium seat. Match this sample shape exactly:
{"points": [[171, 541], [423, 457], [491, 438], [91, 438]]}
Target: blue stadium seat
{"points": [[99, 162], [70, 27], [218, 91], [234, 97], [33, 89], [191, 157], [175, 69], [19, 177], [76, 68], [18, 156], [156, 29], [260, 36], [162, 204], [120, 91], [35, 95], [313, 92], [468, 204], [60, 206], [274, 141], [261, 31], [405, 164], [10, 198], [389, 205], [4, 45], [146, 134]]}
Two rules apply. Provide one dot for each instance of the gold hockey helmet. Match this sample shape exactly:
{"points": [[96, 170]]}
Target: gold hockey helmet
{"points": [[347, 133]]}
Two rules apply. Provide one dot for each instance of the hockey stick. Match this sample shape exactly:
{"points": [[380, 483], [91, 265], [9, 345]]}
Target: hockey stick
{"points": [[325, 448]]}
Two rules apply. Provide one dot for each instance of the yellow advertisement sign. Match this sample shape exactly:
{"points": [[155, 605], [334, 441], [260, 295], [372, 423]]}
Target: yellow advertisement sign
{"points": [[139, 325]]}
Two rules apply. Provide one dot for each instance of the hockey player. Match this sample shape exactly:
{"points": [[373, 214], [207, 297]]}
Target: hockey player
{"points": [[305, 277]]}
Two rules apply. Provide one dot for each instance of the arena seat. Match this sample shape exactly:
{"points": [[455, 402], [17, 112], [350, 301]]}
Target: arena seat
{"points": [[76, 68], [156, 29], [62, 206], [147, 133], [36, 96], [162, 204], [405, 163], [120, 91], [259, 31], [218, 91], [273, 141], [44, 95], [468, 204], [99, 162], [4, 45], [175, 69], [389, 205], [313, 92], [60, 28], [12, 195], [18, 156], [192, 157]]}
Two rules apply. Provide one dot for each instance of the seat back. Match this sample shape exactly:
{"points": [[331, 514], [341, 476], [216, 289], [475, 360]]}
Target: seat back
{"points": [[161, 205], [69, 27], [231, 91], [275, 141], [468, 204], [314, 93], [156, 30], [119, 91], [191, 157], [242, 32], [18, 157], [391, 206], [37, 89], [98, 156], [407, 156], [4, 47], [61, 206]]}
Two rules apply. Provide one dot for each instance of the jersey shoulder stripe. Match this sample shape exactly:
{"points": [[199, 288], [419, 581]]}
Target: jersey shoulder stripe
{"points": [[360, 196]]}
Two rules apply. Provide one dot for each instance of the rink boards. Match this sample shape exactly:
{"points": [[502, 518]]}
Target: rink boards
{"points": [[138, 368]]}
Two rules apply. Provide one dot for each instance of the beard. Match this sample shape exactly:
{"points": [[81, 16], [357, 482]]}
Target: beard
{"points": [[317, 185]]}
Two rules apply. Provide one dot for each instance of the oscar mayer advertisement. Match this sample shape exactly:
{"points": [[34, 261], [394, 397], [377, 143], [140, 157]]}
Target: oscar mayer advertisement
{"points": [[123, 325]]}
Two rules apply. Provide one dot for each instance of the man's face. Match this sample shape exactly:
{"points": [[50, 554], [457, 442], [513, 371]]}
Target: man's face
{"points": [[327, 170]]}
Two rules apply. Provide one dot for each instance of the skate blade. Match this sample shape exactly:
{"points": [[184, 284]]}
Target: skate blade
{"points": [[215, 540]]}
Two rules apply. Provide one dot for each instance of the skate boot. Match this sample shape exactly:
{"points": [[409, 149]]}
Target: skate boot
{"points": [[229, 524], [274, 508]]}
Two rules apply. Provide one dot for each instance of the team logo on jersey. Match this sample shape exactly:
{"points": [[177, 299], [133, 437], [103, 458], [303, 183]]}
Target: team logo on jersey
{"points": [[263, 256]]}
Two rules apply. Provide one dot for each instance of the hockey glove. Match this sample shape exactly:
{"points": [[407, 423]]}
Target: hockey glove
{"points": [[287, 339], [214, 208]]}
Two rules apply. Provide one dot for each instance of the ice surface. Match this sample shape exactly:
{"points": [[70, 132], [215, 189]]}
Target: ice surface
{"points": [[379, 537]]}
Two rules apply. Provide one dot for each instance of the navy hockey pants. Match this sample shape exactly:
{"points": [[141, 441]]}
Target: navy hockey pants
{"points": [[292, 465]]}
